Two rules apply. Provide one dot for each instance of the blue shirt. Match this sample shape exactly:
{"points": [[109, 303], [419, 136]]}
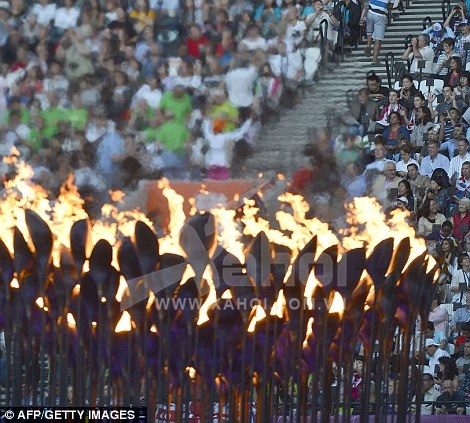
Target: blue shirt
{"points": [[428, 167]]}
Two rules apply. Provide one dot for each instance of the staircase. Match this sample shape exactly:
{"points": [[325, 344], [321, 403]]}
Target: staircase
{"points": [[279, 148]]}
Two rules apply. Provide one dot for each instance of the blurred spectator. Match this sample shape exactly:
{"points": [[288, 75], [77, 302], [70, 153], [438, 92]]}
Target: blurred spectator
{"points": [[45, 12], [364, 110], [462, 91], [449, 102], [445, 232], [448, 371], [447, 261], [419, 183], [352, 13], [380, 153], [404, 191]]}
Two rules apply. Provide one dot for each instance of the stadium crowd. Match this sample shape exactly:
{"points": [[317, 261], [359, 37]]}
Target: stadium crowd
{"points": [[117, 91]]}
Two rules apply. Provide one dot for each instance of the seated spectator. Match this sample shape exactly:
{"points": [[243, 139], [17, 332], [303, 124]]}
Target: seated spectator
{"points": [[392, 133], [66, 17], [455, 167], [445, 232], [448, 371], [377, 92], [463, 362], [449, 147], [442, 64], [364, 110], [447, 261], [142, 15], [455, 70], [382, 184], [176, 102], [419, 183], [393, 106], [407, 92], [353, 180], [462, 91], [437, 35], [238, 8], [462, 38], [252, 41], [434, 160], [404, 191], [422, 124], [448, 123], [348, 151], [430, 393], [420, 50], [434, 352], [406, 159], [461, 219], [313, 20], [450, 401], [463, 183], [461, 283], [418, 101], [449, 102], [379, 152], [429, 217], [267, 15], [45, 12]]}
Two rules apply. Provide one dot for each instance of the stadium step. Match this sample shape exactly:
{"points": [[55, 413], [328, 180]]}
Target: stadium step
{"points": [[279, 148]]}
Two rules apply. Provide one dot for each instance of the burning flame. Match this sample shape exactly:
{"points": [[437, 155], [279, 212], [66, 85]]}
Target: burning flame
{"points": [[71, 320], [124, 324], [258, 315]]}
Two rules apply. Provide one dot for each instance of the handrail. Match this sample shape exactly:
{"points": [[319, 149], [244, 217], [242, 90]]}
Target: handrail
{"points": [[323, 35], [389, 66], [445, 10], [427, 22]]}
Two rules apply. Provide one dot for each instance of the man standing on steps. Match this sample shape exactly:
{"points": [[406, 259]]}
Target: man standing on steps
{"points": [[376, 19]]}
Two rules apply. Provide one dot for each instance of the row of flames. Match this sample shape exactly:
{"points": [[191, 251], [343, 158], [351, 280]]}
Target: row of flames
{"points": [[365, 226]]}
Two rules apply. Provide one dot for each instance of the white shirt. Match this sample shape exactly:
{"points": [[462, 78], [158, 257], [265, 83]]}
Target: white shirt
{"points": [[249, 44], [45, 14], [456, 165], [152, 97], [403, 167], [435, 359], [221, 145], [377, 165], [66, 18], [240, 83], [288, 66], [296, 32], [427, 54]]}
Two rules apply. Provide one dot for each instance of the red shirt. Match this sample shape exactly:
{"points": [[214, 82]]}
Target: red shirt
{"points": [[193, 46], [458, 220]]}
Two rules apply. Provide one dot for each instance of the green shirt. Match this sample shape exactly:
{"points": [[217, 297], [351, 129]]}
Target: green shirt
{"points": [[226, 110], [51, 118], [77, 117], [173, 135], [180, 107]]}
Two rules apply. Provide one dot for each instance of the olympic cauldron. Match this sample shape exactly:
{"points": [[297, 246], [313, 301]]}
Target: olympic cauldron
{"points": [[222, 318]]}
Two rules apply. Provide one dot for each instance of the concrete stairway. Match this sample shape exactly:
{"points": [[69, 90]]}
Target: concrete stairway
{"points": [[279, 147]]}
